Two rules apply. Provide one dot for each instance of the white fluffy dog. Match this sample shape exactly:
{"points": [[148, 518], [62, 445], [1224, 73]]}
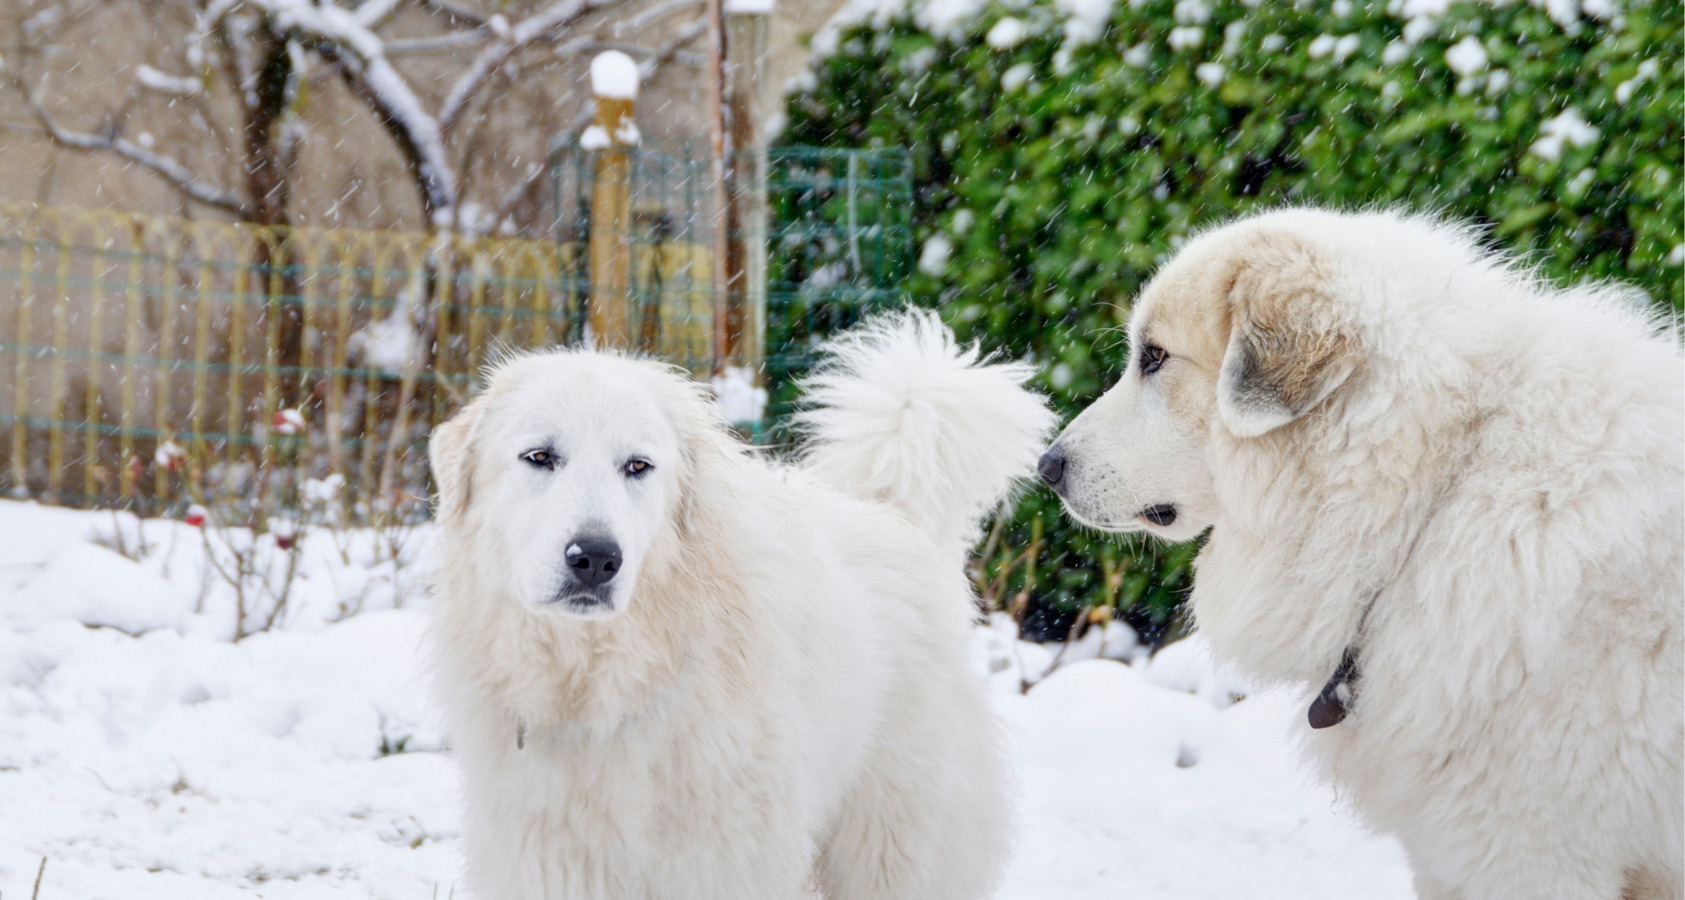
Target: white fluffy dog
{"points": [[1447, 500], [673, 670]]}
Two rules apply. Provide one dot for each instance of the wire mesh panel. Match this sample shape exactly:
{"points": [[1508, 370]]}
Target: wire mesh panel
{"points": [[152, 362], [840, 244], [670, 230], [838, 233]]}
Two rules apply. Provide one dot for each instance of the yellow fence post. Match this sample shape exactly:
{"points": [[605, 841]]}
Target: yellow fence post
{"points": [[129, 477], [20, 365], [614, 81]]}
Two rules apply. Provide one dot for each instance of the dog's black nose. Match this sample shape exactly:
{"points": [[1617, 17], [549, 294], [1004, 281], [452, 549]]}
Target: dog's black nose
{"points": [[594, 560], [1052, 466]]}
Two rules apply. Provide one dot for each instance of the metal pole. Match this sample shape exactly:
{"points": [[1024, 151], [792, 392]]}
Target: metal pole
{"points": [[717, 135]]}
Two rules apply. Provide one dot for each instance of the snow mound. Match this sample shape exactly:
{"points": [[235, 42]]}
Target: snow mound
{"points": [[96, 587], [1187, 666], [736, 397]]}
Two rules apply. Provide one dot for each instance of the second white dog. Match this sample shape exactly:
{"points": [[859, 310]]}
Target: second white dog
{"points": [[1446, 499], [671, 670]]}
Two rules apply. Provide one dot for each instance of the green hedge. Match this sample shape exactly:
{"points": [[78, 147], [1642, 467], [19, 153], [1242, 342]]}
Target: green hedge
{"points": [[1061, 175]]}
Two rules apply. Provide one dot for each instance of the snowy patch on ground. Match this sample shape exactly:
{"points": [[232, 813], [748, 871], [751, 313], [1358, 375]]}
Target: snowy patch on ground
{"points": [[178, 764], [145, 755], [737, 398]]}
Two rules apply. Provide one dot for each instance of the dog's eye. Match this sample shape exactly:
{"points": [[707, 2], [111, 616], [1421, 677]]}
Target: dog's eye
{"points": [[540, 459], [637, 467], [1152, 357]]}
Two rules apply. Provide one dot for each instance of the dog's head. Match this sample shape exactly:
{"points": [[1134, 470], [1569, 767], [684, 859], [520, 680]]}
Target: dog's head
{"points": [[1240, 334], [565, 476]]}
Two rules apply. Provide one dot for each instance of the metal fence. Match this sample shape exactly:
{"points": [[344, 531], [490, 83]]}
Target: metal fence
{"points": [[838, 244], [152, 363], [670, 279]]}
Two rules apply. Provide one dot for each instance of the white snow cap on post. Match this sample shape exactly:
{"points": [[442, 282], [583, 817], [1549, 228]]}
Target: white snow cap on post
{"points": [[748, 7], [614, 74]]}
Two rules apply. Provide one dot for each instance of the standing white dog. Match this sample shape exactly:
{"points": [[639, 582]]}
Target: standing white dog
{"points": [[1448, 500], [672, 670]]}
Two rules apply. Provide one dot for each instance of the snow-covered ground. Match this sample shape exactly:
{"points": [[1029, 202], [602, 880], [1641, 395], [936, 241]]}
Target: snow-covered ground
{"points": [[144, 754]]}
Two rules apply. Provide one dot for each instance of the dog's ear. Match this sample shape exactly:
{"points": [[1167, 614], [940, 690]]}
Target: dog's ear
{"points": [[1289, 346], [448, 453]]}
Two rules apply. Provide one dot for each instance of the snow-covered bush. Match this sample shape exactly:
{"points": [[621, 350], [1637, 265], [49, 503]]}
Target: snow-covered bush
{"points": [[1129, 124]]}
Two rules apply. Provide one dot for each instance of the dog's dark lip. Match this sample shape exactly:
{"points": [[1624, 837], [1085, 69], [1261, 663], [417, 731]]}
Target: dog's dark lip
{"points": [[1160, 513], [583, 601]]}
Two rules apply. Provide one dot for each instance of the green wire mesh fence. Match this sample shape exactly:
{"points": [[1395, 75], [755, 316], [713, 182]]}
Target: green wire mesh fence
{"points": [[839, 244]]}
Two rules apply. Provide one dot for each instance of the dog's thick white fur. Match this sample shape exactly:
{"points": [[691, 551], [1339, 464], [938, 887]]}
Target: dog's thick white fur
{"points": [[1409, 446], [763, 690]]}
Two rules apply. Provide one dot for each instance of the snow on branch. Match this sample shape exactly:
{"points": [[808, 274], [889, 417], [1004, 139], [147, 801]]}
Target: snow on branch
{"points": [[373, 12], [652, 14], [674, 49], [442, 44], [165, 83]]}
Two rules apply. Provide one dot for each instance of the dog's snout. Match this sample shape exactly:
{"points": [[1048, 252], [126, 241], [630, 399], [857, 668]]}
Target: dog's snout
{"points": [[593, 560], [1052, 466]]}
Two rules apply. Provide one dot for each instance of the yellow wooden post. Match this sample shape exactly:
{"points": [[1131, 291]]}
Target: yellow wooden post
{"points": [[20, 365], [614, 81], [129, 475]]}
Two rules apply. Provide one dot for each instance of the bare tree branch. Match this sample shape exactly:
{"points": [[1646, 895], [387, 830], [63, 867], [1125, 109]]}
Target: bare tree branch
{"points": [[653, 14], [672, 51], [374, 13], [539, 26], [167, 84], [177, 175], [416, 133], [443, 43], [259, 47], [454, 12], [652, 58], [513, 197]]}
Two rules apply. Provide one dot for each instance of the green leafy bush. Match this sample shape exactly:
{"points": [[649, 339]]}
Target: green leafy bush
{"points": [[1052, 177]]}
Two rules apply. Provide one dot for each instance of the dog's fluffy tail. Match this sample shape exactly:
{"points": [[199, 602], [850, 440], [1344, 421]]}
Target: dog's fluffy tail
{"points": [[898, 411]]}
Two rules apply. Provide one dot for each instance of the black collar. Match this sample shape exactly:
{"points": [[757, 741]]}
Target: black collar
{"points": [[1330, 707]]}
